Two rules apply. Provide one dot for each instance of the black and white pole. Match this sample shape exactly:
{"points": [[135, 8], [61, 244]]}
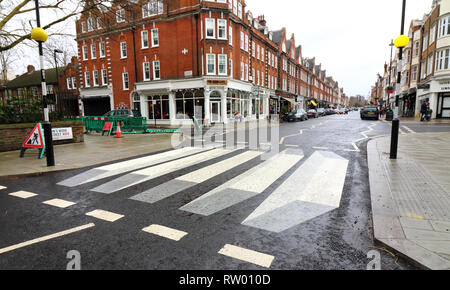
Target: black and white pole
{"points": [[401, 42], [40, 36]]}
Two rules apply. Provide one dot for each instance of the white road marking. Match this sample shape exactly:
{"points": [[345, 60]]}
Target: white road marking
{"points": [[45, 238], [165, 232], [291, 204], [245, 186], [189, 180], [289, 145], [209, 172], [2, 187], [127, 166], [320, 148], [147, 174], [409, 130], [23, 194], [105, 215], [59, 203], [246, 255]]}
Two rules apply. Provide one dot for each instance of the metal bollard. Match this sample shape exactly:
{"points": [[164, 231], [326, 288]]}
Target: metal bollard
{"points": [[49, 144], [394, 138]]}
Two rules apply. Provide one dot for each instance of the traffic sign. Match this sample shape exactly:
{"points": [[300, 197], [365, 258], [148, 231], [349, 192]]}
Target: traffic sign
{"points": [[35, 139]]}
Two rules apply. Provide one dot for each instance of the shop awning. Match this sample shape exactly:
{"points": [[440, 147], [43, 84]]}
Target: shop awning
{"points": [[292, 101]]}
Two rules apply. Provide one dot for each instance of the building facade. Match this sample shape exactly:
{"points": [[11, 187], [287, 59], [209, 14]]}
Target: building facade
{"points": [[174, 60]]}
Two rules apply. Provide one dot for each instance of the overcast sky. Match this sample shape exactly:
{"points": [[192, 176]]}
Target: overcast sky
{"points": [[349, 37]]}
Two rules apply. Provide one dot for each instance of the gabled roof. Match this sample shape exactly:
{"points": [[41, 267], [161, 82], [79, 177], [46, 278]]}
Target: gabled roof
{"points": [[276, 36], [34, 78]]}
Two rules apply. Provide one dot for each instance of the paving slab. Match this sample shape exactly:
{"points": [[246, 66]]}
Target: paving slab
{"points": [[410, 197]]}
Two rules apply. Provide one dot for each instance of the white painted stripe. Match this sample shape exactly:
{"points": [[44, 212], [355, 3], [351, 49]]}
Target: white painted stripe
{"points": [[409, 130], [45, 238], [246, 255], [2, 187], [127, 166], [295, 146], [291, 204], [320, 148], [189, 180], [253, 182], [59, 203], [165, 232], [23, 194], [105, 215], [209, 172]]}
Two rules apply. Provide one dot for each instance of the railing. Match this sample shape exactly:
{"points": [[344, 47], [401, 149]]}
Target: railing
{"points": [[93, 123]]}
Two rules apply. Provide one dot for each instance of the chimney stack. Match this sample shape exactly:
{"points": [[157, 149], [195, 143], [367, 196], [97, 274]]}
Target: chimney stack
{"points": [[30, 68], [261, 20]]}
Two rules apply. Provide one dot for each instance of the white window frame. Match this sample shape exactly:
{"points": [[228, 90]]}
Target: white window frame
{"points": [[125, 81], [156, 65], [230, 35], [83, 27], [102, 49], [155, 36], [95, 80], [93, 51], [222, 23], [144, 65], [87, 79], [144, 38], [90, 23], [209, 57], [104, 76], [208, 23], [219, 57], [74, 83], [122, 55], [68, 83], [120, 15], [84, 51]]}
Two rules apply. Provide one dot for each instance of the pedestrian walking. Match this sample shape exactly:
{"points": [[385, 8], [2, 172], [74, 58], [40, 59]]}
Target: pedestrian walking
{"points": [[423, 111]]}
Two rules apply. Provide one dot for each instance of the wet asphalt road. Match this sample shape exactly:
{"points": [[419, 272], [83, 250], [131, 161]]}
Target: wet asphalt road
{"points": [[339, 239]]}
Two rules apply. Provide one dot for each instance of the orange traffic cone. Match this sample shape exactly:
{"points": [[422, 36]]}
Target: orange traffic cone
{"points": [[118, 133]]}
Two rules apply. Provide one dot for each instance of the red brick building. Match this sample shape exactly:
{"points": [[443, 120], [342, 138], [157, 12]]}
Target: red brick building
{"points": [[176, 59]]}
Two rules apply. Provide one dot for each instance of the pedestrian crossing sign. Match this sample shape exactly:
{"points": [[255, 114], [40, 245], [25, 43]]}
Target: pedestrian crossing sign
{"points": [[35, 139]]}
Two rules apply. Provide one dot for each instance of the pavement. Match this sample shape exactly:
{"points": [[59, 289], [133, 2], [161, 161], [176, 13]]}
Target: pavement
{"points": [[96, 149], [411, 197]]}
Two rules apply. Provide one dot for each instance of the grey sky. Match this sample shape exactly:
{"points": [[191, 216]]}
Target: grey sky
{"points": [[349, 37]]}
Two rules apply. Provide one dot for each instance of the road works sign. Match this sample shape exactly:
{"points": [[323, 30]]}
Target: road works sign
{"points": [[35, 139]]}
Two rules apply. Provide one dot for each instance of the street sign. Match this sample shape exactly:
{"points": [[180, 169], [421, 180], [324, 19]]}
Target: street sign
{"points": [[34, 140], [62, 134], [107, 128]]}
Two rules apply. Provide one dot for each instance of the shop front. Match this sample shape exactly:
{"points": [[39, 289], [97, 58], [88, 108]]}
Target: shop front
{"points": [[211, 101]]}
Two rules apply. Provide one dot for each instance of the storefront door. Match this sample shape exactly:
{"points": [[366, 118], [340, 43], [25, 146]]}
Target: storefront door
{"points": [[215, 112]]}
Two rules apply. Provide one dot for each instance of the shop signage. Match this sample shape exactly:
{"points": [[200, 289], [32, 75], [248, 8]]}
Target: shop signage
{"points": [[445, 86], [216, 83]]}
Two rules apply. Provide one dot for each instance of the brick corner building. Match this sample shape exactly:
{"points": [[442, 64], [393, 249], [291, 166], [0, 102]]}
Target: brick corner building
{"points": [[173, 60]]}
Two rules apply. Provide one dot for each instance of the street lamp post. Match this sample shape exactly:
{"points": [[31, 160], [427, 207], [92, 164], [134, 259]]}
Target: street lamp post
{"points": [[400, 43], [41, 36]]}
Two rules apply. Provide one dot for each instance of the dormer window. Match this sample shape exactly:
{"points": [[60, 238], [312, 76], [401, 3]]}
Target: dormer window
{"points": [[284, 47], [90, 24]]}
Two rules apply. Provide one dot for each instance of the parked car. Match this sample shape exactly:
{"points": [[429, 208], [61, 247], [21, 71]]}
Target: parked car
{"points": [[312, 114], [330, 112], [123, 113], [369, 112], [343, 111], [296, 115], [321, 112]]}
